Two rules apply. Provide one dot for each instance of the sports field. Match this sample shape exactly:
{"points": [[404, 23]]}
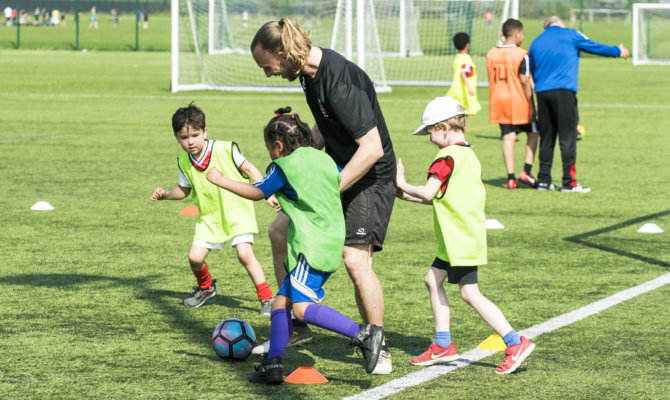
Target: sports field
{"points": [[90, 299]]}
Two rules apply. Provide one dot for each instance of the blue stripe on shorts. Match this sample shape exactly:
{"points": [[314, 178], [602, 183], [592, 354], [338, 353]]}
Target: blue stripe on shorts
{"points": [[304, 283]]}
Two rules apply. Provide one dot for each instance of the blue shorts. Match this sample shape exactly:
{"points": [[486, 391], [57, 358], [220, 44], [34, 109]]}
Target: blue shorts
{"points": [[304, 283]]}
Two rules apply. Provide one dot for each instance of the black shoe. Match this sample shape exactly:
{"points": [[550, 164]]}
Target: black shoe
{"points": [[369, 339], [270, 372]]}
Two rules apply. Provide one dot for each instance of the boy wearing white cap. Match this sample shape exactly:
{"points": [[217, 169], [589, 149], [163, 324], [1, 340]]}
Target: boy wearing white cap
{"points": [[454, 188]]}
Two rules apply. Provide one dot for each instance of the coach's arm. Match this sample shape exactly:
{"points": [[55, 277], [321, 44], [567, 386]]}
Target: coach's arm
{"points": [[369, 151]]}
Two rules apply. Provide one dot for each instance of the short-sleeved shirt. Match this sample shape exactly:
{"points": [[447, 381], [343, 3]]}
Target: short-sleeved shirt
{"points": [[275, 181], [344, 103], [443, 168], [238, 158]]}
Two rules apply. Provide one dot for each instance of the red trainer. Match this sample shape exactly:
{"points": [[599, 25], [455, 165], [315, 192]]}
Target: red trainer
{"points": [[527, 179], [515, 355], [436, 354], [511, 184]]}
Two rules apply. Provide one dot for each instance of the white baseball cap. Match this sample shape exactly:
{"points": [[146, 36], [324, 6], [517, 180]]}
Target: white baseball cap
{"points": [[440, 109]]}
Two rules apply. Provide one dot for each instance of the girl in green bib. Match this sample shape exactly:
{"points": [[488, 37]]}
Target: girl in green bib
{"points": [[307, 184], [455, 190], [223, 216]]}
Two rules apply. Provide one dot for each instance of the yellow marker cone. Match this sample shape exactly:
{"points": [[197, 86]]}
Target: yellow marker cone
{"points": [[493, 342]]}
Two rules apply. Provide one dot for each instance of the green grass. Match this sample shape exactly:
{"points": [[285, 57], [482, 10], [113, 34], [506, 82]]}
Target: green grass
{"points": [[91, 292]]}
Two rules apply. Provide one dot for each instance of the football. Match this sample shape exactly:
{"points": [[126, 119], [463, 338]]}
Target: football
{"points": [[233, 339], [581, 132]]}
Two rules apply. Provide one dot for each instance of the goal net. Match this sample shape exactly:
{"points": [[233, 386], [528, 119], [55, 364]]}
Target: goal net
{"points": [[397, 42], [651, 34]]}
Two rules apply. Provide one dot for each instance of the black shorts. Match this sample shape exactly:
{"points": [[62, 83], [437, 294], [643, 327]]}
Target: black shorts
{"points": [[367, 212], [507, 128], [457, 275]]}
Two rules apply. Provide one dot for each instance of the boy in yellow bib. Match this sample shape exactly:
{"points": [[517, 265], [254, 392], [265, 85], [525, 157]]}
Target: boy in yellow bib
{"points": [[464, 83], [223, 216], [454, 188]]}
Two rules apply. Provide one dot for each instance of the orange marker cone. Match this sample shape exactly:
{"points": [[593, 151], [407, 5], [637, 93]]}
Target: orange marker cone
{"points": [[190, 210], [306, 375]]}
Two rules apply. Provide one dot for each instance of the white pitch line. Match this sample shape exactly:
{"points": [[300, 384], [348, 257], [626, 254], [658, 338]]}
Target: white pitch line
{"points": [[474, 355], [275, 97]]}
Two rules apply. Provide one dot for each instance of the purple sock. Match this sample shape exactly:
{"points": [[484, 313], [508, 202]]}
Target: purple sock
{"points": [[280, 332], [327, 318]]}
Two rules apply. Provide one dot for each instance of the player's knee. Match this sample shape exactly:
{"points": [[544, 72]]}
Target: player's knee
{"points": [[430, 282], [470, 294], [196, 260], [299, 313], [245, 254], [357, 270], [277, 231]]}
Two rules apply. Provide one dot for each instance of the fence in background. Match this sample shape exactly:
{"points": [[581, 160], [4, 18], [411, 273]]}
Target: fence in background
{"points": [[78, 24]]}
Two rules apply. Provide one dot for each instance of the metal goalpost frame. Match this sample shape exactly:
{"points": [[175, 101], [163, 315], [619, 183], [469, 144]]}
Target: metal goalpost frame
{"points": [[641, 30], [367, 52]]}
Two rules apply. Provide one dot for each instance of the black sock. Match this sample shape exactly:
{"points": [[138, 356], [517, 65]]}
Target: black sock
{"points": [[511, 176], [527, 168]]}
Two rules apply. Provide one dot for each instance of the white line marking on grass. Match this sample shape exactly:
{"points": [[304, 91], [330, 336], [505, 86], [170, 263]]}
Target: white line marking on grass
{"points": [[52, 135], [469, 357], [237, 97]]}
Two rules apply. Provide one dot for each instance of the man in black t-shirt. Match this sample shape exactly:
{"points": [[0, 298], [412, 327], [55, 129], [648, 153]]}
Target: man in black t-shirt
{"points": [[351, 127]]}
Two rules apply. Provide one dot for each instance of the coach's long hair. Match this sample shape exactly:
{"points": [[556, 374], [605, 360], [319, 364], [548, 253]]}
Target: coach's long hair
{"points": [[288, 129], [287, 36]]}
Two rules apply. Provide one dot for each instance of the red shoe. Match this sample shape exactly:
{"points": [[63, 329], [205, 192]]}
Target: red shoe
{"points": [[511, 184], [436, 354], [515, 355], [527, 179]]}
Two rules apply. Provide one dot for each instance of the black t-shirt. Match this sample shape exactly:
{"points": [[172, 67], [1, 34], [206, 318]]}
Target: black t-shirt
{"points": [[344, 103]]}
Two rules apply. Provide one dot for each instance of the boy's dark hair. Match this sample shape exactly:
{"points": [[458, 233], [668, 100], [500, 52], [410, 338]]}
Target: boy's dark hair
{"points": [[510, 26], [191, 116], [460, 40], [288, 129]]}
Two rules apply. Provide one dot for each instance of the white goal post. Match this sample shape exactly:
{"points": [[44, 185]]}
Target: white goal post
{"points": [[607, 12], [651, 34], [397, 42]]}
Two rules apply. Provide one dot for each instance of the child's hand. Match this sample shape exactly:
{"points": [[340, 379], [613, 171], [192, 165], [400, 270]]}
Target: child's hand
{"points": [[400, 174], [274, 203], [214, 175], [159, 194]]}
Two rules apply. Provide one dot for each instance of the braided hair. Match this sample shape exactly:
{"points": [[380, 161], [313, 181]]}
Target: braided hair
{"points": [[288, 129]]}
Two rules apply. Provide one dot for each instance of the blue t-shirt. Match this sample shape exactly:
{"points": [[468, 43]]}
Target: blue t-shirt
{"points": [[554, 57], [275, 181]]}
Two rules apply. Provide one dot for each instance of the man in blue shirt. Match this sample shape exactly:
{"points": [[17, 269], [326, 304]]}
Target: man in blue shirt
{"points": [[554, 64]]}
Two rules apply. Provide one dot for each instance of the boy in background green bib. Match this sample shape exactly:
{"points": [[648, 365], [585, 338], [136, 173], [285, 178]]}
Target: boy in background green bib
{"points": [[454, 188], [307, 184], [222, 215]]}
